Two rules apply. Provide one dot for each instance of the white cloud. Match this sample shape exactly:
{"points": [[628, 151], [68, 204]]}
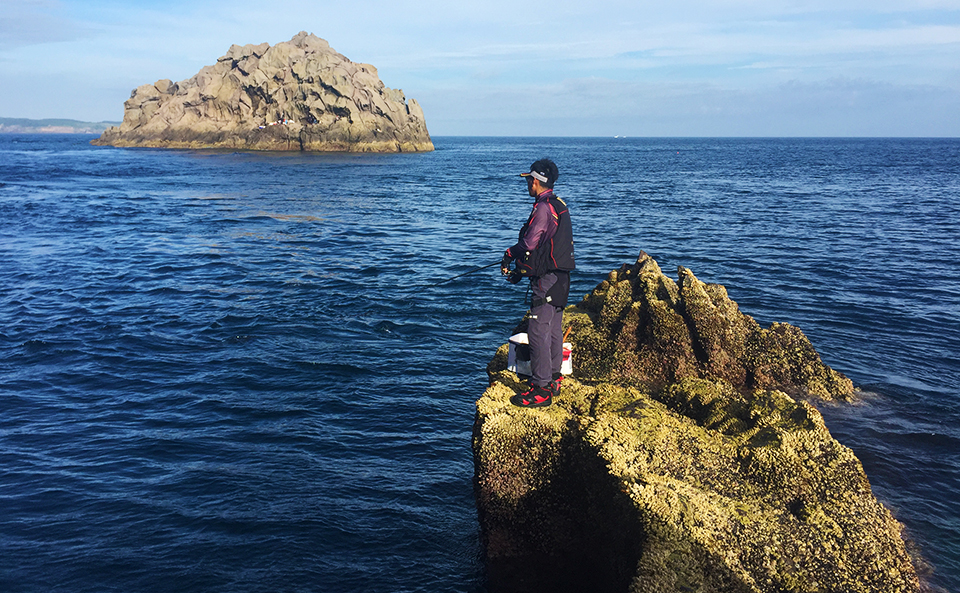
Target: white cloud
{"points": [[34, 22], [475, 62], [835, 107]]}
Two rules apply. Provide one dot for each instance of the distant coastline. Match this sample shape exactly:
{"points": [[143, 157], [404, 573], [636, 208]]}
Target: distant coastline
{"points": [[14, 125]]}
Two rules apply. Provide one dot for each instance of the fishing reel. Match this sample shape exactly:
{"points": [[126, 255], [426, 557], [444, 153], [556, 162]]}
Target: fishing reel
{"points": [[511, 273]]}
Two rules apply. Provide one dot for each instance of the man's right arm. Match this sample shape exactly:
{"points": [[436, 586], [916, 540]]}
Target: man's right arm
{"points": [[541, 221]]}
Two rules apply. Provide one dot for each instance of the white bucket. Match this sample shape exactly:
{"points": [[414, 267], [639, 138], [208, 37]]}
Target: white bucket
{"points": [[566, 367], [518, 356]]}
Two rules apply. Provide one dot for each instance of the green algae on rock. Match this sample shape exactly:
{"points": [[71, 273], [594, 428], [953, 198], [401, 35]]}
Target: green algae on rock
{"points": [[678, 475], [640, 327]]}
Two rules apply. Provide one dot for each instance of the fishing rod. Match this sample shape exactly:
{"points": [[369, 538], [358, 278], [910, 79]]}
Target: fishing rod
{"points": [[496, 263]]}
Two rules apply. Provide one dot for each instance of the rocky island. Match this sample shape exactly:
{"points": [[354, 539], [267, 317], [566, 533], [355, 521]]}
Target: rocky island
{"points": [[683, 456], [295, 95]]}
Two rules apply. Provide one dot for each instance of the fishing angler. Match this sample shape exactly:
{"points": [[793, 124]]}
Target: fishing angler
{"points": [[544, 255]]}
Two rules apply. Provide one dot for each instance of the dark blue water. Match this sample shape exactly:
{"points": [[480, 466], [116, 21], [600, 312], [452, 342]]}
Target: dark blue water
{"points": [[220, 371]]}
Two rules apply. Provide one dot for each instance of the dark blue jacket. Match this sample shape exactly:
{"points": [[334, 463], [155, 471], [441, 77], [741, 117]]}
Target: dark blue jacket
{"points": [[546, 240]]}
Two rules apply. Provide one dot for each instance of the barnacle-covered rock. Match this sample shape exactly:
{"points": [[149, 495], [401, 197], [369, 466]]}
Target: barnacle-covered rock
{"points": [[676, 460], [640, 327]]}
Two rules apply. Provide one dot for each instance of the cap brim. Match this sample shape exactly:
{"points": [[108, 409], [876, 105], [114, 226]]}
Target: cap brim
{"points": [[535, 175]]}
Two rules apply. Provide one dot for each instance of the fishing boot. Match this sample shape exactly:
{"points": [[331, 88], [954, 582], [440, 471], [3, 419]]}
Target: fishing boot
{"points": [[535, 397], [555, 384]]}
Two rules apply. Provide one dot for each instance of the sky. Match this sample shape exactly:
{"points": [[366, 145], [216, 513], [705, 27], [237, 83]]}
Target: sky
{"points": [[514, 68]]}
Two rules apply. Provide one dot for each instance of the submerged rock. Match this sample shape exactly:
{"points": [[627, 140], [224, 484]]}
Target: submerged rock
{"points": [[676, 461], [295, 95]]}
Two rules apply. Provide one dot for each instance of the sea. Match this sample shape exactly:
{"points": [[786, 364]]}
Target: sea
{"points": [[247, 372]]}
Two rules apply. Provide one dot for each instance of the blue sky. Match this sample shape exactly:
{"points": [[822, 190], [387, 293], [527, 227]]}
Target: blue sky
{"points": [[684, 68]]}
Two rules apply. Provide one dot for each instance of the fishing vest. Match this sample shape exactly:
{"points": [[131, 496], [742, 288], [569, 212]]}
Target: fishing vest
{"points": [[555, 252]]}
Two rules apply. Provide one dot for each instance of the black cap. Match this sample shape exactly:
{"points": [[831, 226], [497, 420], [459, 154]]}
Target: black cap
{"points": [[545, 171]]}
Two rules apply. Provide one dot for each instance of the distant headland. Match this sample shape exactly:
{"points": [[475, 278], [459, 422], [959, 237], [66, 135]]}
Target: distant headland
{"points": [[19, 125], [295, 95]]}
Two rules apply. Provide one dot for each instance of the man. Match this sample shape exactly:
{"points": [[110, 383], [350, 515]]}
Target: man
{"points": [[544, 254]]}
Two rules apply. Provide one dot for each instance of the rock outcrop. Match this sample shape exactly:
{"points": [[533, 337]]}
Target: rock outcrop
{"points": [[295, 95], [676, 460], [641, 328]]}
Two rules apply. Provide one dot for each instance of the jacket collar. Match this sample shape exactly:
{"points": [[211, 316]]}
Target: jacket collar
{"points": [[545, 195]]}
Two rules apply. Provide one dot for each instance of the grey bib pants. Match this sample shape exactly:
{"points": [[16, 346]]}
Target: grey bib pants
{"points": [[545, 332]]}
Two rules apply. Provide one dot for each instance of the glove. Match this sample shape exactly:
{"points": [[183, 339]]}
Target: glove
{"points": [[505, 263], [514, 277]]}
